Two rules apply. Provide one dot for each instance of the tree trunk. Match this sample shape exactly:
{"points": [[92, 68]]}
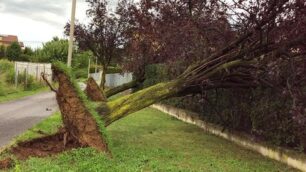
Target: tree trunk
{"points": [[121, 88], [103, 77], [128, 104], [119, 108]]}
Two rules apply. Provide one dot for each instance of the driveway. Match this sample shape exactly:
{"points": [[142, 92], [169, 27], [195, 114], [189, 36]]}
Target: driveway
{"points": [[20, 115]]}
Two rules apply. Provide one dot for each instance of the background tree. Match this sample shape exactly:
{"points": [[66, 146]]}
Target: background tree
{"points": [[54, 50], [102, 35], [28, 51], [2, 51], [13, 51]]}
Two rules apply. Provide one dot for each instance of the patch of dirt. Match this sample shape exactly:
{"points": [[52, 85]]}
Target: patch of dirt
{"points": [[6, 163], [44, 146], [93, 91]]}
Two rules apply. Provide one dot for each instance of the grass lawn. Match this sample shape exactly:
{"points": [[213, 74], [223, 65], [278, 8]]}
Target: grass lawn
{"points": [[150, 140], [20, 93]]}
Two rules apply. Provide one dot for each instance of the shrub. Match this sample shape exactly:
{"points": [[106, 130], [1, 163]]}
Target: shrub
{"points": [[13, 51], [6, 65], [2, 90]]}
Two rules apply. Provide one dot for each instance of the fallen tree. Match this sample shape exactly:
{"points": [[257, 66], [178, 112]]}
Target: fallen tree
{"points": [[84, 127], [94, 93], [113, 91]]}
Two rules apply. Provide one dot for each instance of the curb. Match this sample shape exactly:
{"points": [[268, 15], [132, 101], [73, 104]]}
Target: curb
{"points": [[285, 156]]}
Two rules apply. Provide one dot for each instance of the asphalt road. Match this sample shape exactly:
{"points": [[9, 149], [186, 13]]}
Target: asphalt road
{"points": [[20, 115]]}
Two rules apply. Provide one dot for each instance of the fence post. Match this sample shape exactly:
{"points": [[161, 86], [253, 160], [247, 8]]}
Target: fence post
{"points": [[26, 78], [37, 72], [88, 67], [16, 75], [27, 73]]}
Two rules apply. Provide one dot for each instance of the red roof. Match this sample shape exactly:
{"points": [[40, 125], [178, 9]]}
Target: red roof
{"points": [[8, 39]]}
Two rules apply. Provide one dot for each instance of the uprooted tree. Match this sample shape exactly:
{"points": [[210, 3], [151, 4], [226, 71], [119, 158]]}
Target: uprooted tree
{"points": [[272, 36]]}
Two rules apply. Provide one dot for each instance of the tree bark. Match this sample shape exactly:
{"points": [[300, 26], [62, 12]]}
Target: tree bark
{"points": [[93, 91], [119, 108], [103, 77], [121, 88]]}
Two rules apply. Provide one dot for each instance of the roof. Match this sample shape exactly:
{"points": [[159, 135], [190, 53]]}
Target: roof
{"points": [[8, 39]]}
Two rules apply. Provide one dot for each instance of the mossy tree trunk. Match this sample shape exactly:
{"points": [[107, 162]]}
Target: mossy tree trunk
{"points": [[119, 108], [113, 91], [103, 77], [128, 104]]}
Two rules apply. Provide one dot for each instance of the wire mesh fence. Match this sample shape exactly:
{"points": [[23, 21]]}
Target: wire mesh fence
{"points": [[113, 80], [34, 70]]}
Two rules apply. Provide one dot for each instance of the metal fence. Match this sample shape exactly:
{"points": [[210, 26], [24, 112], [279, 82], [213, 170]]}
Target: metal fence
{"points": [[33, 69], [113, 80]]}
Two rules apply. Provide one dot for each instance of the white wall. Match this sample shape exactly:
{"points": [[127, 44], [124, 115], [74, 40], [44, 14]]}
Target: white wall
{"points": [[34, 69], [113, 80]]}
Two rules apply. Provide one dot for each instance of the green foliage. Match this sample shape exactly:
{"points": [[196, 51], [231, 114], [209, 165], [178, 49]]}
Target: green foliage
{"points": [[13, 52], [2, 90], [6, 68], [55, 50], [80, 63], [81, 59], [6, 65], [28, 51], [113, 69], [48, 126], [154, 74], [7, 80], [2, 51], [152, 141]]}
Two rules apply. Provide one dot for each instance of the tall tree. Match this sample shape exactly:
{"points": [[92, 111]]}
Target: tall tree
{"points": [[13, 51], [54, 50], [102, 35], [2, 51]]}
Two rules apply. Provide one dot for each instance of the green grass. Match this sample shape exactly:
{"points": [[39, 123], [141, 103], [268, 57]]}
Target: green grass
{"points": [[150, 140], [48, 126], [20, 93]]}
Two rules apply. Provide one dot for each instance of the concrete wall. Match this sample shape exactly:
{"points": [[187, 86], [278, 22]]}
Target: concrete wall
{"points": [[34, 69], [113, 80], [293, 159]]}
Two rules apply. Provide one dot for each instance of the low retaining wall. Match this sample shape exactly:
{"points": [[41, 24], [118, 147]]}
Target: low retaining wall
{"points": [[288, 157]]}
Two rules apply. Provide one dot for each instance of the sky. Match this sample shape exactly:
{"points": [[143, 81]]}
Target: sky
{"points": [[38, 21]]}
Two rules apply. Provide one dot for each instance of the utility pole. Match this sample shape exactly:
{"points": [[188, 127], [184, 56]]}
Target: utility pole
{"points": [[71, 38]]}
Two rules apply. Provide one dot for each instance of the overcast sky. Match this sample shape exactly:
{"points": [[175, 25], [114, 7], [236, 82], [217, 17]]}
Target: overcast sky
{"points": [[37, 21]]}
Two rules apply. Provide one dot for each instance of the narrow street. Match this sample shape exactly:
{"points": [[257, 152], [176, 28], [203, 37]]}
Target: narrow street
{"points": [[20, 115]]}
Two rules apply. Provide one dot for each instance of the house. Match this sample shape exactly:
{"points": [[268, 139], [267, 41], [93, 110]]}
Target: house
{"points": [[7, 40]]}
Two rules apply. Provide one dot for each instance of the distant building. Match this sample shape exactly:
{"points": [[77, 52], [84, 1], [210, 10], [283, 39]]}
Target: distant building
{"points": [[7, 40]]}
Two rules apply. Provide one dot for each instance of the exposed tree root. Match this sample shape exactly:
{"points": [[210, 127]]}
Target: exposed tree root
{"points": [[94, 92], [45, 146], [6, 163]]}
